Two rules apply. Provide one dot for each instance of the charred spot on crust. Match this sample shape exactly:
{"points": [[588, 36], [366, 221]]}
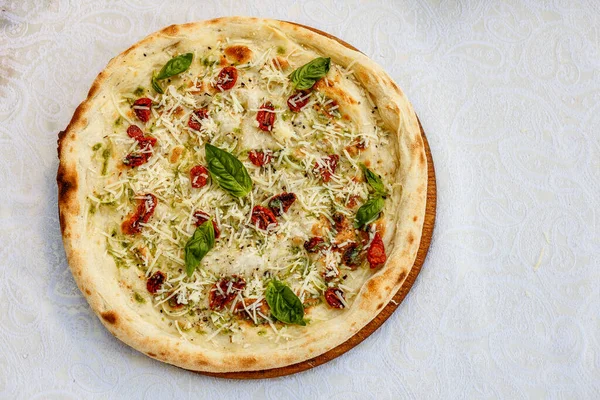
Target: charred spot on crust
{"points": [[410, 237], [61, 138], [67, 183], [201, 362], [372, 287], [214, 21], [96, 85], [415, 218], [247, 361], [171, 30], [151, 354], [63, 223], [402, 276], [238, 53], [110, 317], [88, 292], [380, 305]]}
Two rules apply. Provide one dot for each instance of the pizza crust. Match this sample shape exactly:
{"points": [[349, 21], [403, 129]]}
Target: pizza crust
{"points": [[102, 289]]}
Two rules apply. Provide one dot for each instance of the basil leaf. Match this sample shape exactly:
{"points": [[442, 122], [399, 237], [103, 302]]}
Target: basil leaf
{"points": [[198, 246], [374, 180], [284, 304], [175, 65], [228, 171], [368, 212], [156, 86], [307, 75]]}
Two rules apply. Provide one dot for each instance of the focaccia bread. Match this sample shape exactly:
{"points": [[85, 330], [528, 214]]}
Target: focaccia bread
{"points": [[258, 212]]}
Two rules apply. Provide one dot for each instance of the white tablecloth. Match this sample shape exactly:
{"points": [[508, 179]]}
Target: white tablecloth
{"points": [[508, 302]]}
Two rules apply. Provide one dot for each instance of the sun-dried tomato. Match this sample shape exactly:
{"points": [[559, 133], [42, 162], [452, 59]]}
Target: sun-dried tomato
{"points": [[142, 214], [340, 222], [145, 147], [298, 100], [376, 253], [266, 117], [155, 282], [331, 297], [351, 256], [314, 244], [195, 119], [260, 157], [135, 159], [281, 203], [135, 132], [141, 108], [226, 78], [198, 176], [327, 166], [262, 217], [224, 291], [202, 217]]}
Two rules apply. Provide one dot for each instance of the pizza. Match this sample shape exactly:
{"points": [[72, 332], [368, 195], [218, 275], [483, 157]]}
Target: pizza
{"points": [[240, 194]]}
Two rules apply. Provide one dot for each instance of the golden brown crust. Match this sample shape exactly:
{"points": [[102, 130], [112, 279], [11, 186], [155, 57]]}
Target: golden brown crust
{"points": [[103, 293]]}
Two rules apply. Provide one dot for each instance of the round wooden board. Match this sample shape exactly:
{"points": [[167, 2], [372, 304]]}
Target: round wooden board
{"points": [[428, 224]]}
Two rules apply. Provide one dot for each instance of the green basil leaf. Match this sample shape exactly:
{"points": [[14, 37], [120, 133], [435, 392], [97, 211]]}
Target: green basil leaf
{"points": [[198, 246], [374, 181], [175, 65], [284, 304], [156, 85], [368, 212], [307, 75], [228, 171]]}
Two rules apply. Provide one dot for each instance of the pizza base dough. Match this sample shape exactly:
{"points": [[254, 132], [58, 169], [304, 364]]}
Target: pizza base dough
{"points": [[97, 280]]}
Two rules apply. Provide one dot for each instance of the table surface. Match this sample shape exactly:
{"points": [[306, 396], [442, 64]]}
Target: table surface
{"points": [[508, 302]]}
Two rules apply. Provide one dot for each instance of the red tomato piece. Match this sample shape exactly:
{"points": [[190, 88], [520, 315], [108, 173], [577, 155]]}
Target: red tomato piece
{"points": [[351, 256], [376, 253], [142, 214], [202, 217], [314, 244], [195, 119], [327, 166], [341, 223], [135, 132], [298, 100], [155, 282], [198, 176], [262, 217], [141, 108], [226, 79], [281, 203], [145, 145], [260, 157], [332, 297], [266, 117], [224, 291]]}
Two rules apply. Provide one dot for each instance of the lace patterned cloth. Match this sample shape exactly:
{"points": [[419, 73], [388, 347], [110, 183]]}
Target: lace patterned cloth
{"points": [[508, 302]]}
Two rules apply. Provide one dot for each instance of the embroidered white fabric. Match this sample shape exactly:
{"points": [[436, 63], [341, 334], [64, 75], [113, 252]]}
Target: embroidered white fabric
{"points": [[508, 302]]}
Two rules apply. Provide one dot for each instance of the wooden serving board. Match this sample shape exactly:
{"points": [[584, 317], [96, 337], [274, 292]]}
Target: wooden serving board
{"points": [[430, 211]]}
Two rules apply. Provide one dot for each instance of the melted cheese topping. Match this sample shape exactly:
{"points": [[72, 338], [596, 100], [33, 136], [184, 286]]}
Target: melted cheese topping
{"points": [[338, 119]]}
